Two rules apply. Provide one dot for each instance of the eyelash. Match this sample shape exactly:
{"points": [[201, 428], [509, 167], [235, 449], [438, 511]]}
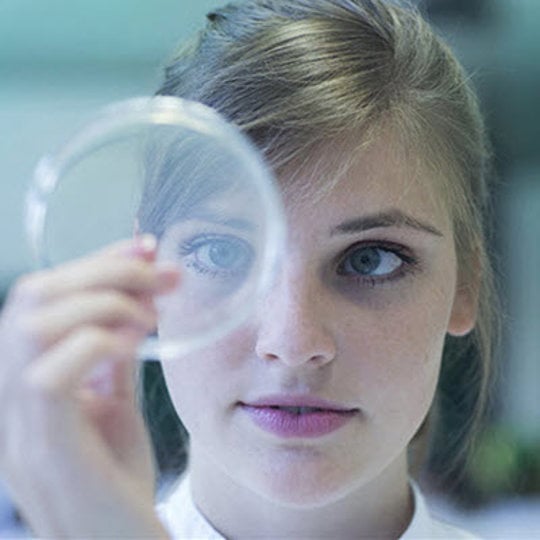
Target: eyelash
{"points": [[191, 246], [409, 263]]}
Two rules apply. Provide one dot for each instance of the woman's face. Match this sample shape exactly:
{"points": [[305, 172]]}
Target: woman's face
{"points": [[322, 390]]}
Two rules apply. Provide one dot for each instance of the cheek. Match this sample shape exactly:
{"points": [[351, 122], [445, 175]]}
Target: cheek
{"points": [[207, 380], [409, 377], [395, 353]]}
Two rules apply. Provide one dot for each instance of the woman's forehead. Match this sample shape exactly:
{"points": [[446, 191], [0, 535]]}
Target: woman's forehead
{"points": [[365, 179]]}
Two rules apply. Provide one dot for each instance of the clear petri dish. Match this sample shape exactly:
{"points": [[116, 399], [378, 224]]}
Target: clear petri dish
{"points": [[175, 169]]}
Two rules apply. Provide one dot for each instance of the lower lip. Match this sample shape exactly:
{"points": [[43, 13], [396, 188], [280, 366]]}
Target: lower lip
{"points": [[288, 425]]}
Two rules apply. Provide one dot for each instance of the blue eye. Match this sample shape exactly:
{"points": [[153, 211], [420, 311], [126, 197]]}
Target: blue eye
{"points": [[374, 264], [218, 255], [371, 261]]}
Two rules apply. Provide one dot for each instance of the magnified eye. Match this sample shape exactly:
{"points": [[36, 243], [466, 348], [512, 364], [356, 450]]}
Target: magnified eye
{"points": [[370, 261], [218, 255]]}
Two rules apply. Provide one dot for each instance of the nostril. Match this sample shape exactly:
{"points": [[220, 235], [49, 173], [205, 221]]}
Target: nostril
{"points": [[295, 357], [320, 359], [295, 330], [269, 356]]}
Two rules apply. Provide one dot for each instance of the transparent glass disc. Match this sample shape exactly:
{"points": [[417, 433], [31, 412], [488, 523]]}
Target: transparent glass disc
{"points": [[177, 170]]}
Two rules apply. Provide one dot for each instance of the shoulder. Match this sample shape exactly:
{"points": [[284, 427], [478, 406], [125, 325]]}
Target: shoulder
{"points": [[425, 526]]}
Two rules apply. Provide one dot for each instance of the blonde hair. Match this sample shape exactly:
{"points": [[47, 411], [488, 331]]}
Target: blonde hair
{"points": [[293, 74]]}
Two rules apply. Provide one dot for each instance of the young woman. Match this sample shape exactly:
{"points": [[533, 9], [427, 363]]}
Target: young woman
{"points": [[301, 420]]}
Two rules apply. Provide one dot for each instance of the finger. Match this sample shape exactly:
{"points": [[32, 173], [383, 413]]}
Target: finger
{"points": [[109, 308], [132, 276], [141, 246], [115, 412], [61, 370]]}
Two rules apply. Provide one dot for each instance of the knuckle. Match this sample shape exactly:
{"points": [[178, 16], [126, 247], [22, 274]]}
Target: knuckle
{"points": [[35, 287], [28, 287], [32, 329]]}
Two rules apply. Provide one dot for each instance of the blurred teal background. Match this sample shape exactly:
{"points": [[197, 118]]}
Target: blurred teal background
{"points": [[60, 60]]}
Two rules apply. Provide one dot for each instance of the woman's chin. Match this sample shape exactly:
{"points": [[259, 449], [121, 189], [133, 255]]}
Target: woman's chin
{"points": [[303, 487]]}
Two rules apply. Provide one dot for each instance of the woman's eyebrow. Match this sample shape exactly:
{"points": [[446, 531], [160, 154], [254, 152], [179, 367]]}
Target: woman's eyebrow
{"points": [[389, 218]]}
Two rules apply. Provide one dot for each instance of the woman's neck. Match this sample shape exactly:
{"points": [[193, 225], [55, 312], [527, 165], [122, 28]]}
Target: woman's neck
{"points": [[381, 508]]}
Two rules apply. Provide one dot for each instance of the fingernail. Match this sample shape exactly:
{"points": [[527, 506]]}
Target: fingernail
{"points": [[144, 244]]}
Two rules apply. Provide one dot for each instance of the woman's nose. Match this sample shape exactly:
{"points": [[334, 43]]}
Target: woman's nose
{"points": [[292, 323]]}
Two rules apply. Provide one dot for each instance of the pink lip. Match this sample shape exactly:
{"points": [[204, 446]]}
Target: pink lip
{"points": [[271, 414]]}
